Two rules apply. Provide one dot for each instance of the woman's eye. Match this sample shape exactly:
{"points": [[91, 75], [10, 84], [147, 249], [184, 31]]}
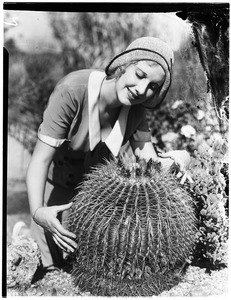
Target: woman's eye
{"points": [[139, 74]]}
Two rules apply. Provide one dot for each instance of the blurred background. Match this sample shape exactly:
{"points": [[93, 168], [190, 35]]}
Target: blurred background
{"points": [[45, 46]]}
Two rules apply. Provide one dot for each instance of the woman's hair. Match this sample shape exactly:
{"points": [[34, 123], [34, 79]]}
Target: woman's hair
{"points": [[119, 71]]}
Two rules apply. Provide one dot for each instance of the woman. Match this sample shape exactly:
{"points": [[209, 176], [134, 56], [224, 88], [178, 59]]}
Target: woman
{"points": [[90, 115]]}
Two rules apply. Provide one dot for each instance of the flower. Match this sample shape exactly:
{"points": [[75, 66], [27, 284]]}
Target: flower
{"points": [[188, 131], [176, 104], [169, 137], [200, 114]]}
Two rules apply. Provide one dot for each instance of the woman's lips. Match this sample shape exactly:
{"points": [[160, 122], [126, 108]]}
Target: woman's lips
{"points": [[132, 96]]}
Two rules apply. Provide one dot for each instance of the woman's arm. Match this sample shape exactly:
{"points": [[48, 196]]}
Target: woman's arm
{"points": [[146, 151], [180, 159], [36, 180], [37, 174], [143, 150]]}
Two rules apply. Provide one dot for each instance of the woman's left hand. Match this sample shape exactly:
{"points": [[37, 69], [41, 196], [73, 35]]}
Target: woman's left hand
{"points": [[181, 159]]}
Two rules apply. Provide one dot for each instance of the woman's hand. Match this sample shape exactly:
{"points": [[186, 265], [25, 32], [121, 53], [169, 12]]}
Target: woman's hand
{"points": [[181, 159], [47, 218]]}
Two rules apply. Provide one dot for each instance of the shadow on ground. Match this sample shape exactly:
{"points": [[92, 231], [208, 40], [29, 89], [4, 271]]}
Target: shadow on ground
{"points": [[17, 203], [17, 206]]}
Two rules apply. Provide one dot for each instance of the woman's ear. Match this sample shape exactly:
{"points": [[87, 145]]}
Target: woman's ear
{"points": [[121, 70]]}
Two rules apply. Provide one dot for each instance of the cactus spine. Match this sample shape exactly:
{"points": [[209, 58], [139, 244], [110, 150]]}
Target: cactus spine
{"points": [[134, 225]]}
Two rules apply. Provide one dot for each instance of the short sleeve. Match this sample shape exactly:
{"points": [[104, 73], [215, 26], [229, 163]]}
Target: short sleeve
{"points": [[58, 116]]}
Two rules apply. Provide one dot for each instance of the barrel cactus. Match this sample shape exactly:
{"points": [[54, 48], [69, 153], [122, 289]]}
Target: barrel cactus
{"points": [[135, 227]]}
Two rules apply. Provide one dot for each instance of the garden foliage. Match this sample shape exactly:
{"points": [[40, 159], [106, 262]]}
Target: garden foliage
{"points": [[209, 172], [23, 259], [92, 39]]}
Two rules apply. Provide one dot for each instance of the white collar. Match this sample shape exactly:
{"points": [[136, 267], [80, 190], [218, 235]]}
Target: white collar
{"points": [[115, 139], [94, 84]]}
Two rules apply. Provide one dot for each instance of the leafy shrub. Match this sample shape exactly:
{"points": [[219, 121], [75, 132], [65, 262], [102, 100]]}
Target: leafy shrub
{"points": [[166, 123], [135, 226], [23, 259], [209, 188], [92, 39], [31, 81]]}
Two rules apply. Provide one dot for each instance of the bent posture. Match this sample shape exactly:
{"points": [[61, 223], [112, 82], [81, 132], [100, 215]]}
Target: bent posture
{"points": [[90, 116]]}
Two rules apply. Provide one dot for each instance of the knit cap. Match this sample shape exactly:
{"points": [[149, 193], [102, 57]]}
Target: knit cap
{"points": [[147, 48]]}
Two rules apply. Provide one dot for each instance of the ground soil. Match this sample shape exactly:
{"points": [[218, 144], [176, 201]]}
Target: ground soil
{"points": [[196, 282]]}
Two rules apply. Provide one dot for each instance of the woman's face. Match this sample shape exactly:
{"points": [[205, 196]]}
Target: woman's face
{"points": [[139, 83]]}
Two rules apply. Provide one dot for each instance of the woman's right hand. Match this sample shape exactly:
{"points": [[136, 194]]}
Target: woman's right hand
{"points": [[47, 218]]}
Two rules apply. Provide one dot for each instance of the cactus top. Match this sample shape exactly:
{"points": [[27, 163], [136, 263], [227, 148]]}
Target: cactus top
{"points": [[147, 48]]}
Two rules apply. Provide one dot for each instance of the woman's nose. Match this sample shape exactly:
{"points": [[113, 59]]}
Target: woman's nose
{"points": [[141, 87]]}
